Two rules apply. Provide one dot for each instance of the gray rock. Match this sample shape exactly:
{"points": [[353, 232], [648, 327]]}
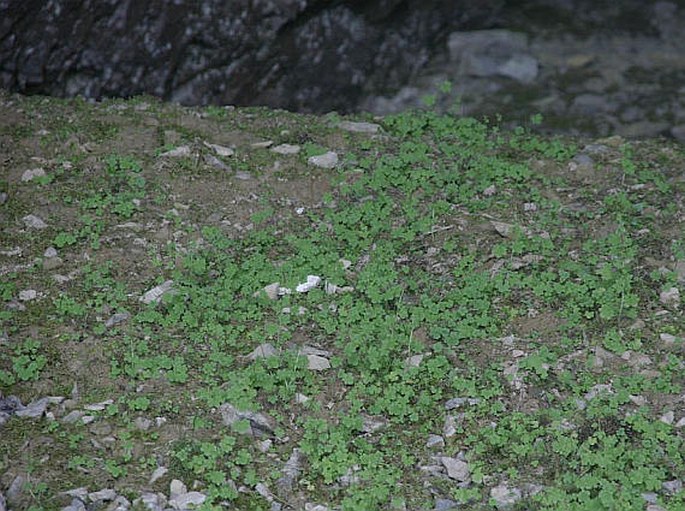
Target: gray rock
{"points": [[291, 471], [177, 152], [680, 271], [371, 424], [188, 500], [155, 294], [670, 297], [31, 174], [103, 495], [151, 501], [142, 423], [34, 222], [269, 53], [449, 429], [317, 363], [456, 469], [76, 505], [650, 498], [359, 127], [10, 405], [3, 502], [101, 429], [52, 263], [15, 491], [34, 409], [315, 507], [264, 350], [121, 503], [115, 319], [520, 67], [461, 401], [435, 441], [3, 198], [158, 473], [73, 416], [222, 151], [672, 487], [286, 149], [258, 423], [505, 497], [325, 161], [445, 505]]}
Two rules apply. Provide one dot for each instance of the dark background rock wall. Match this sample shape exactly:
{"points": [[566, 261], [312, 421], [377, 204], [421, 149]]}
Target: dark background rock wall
{"points": [[297, 54], [591, 68]]}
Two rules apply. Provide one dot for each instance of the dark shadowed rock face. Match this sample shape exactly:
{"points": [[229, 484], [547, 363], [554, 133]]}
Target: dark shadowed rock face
{"points": [[296, 54]]}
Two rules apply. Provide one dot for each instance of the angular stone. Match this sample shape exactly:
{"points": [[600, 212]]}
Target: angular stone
{"points": [[359, 127], [670, 297], [435, 441], [117, 318], [31, 174], [188, 500], [263, 351], [258, 423], [34, 409], [456, 469], [505, 497], [221, 150], [291, 471], [52, 263], [325, 161], [312, 282], [286, 149], [34, 222], [177, 152], [317, 363], [155, 294], [104, 495]]}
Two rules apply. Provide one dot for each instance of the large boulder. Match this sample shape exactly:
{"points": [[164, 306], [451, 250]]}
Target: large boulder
{"points": [[296, 54]]}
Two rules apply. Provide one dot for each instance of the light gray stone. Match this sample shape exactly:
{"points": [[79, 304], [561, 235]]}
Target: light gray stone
{"points": [[188, 500], [31, 174], [456, 469], [34, 409], [16, 490], [457, 402], [505, 497], [52, 263], [104, 495], [221, 150], [435, 441], [520, 67], [259, 423], [359, 127], [286, 149], [264, 350], [445, 505], [155, 294], [34, 222], [672, 487], [291, 471], [327, 160], [177, 152], [670, 297], [157, 474], [115, 319], [317, 363]]}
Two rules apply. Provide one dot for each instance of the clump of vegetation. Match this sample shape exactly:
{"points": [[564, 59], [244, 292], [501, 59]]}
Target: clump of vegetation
{"points": [[477, 264]]}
